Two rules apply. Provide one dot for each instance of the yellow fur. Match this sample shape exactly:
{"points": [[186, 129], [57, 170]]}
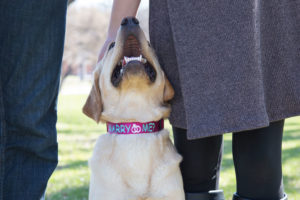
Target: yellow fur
{"points": [[132, 167]]}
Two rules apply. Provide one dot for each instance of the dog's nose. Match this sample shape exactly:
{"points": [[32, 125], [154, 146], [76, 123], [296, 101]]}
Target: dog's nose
{"points": [[130, 21]]}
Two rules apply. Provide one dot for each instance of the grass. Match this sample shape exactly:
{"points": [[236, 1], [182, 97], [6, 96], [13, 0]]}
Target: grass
{"points": [[77, 135]]}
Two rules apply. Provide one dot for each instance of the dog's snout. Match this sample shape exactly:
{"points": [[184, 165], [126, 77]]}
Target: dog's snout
{"points": [[130, 21]]}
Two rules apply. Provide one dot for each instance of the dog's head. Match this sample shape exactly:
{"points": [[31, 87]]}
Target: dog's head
{"points": [[129, 84]]}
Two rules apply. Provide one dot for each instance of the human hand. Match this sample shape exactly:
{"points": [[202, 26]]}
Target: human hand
{"points": [[120, 9]]}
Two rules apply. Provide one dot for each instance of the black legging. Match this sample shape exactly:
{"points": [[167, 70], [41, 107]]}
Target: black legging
{"points": [[257, 161]]}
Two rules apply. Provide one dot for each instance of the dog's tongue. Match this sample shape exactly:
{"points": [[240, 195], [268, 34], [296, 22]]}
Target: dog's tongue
{"points": [[128, 59]]}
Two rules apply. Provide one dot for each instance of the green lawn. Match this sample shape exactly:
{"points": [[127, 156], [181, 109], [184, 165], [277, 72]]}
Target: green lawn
{"points": [[77, 135]]}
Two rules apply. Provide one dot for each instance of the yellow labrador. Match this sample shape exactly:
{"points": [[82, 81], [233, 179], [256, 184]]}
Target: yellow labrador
{"points": [[136, 158]]}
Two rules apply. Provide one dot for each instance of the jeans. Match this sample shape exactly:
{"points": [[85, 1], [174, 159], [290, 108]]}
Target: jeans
{"points": [[31, 48]]}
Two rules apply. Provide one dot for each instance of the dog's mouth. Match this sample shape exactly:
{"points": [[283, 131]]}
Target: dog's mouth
{"points": [[132, 57]]}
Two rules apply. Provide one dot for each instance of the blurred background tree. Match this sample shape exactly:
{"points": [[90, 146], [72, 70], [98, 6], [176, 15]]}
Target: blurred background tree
{"points": [[86, 29], [70, 1]]}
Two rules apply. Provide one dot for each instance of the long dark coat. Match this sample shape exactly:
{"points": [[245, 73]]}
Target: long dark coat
{"points": [[234, 64]]}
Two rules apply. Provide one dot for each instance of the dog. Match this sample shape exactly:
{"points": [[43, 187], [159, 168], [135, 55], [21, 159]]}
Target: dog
{"points": [[136, 159]]}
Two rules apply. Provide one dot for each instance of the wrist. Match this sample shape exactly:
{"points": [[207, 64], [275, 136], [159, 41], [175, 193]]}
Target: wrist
{"points": [[111, 37]]}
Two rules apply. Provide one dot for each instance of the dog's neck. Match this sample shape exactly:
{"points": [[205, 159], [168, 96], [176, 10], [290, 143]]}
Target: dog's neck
{"points": [[136, 116], [134, 109]]}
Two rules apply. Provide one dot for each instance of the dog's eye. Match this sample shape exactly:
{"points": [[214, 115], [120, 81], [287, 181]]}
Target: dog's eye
{"points": [[111, 45]]}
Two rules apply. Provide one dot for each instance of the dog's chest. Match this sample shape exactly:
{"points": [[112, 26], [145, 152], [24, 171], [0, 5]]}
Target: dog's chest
{"points": [[136, 154], [133, 158]]}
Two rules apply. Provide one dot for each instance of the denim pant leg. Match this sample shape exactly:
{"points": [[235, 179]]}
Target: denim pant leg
{"points": [[31, 48]]}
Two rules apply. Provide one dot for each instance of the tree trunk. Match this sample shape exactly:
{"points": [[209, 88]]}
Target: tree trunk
{"points": [[70, 1]]}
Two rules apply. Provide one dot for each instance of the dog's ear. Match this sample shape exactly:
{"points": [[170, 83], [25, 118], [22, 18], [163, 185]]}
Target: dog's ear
{"points": [[168, 90], [93, 105]]}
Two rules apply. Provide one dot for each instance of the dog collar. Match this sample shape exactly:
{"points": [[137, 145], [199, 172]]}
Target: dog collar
{"points": [[135, 127]]}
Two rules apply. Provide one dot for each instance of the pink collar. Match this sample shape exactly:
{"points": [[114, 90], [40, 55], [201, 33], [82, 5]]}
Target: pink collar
{"points": [[135, 127]]}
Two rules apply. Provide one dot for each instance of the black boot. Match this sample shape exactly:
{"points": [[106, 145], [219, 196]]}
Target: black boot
{"points": [[237, 197], [211, 195]]}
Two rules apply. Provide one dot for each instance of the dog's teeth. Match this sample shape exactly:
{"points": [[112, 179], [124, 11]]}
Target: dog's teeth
{"points": [[128, 59]]}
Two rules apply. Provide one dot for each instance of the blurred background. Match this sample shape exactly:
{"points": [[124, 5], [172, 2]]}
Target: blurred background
{"points": [[87, 22]]}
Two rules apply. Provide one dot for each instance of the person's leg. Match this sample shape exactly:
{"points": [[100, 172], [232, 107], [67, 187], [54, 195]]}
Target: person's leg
{"points": [[31, 41], [2, 140], [257, 161], [201, 163]]}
